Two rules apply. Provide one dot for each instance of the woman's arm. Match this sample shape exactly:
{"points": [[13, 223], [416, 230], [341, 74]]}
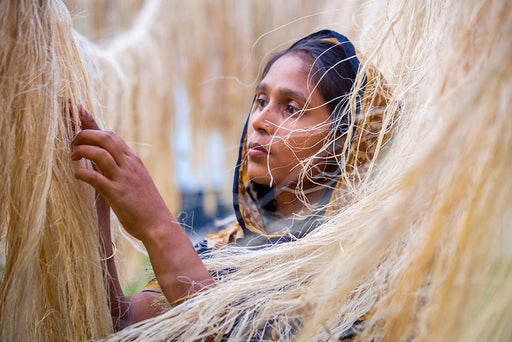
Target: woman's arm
{"points": [[125, 184], [123, 310], [118, 307]]}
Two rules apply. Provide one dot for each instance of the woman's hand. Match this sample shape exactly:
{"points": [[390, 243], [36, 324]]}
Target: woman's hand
{"points": [[120, 177]]}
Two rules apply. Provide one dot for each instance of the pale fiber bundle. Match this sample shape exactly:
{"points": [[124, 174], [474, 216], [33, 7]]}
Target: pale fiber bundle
{"points": [[52, 286], [423, 247]]}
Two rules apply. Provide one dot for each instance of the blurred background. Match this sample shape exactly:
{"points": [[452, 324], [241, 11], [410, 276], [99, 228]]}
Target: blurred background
{"points": [[188, 72]]}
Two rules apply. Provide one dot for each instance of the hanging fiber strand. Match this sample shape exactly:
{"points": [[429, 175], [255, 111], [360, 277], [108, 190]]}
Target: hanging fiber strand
{"points": [[418, 249], [52, 286]]}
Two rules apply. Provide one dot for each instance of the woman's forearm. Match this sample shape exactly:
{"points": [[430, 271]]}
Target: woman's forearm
{"points": [[178, 269], [118, 305]]}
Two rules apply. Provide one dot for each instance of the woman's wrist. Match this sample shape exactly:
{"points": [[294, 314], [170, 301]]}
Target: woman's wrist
{"points": [[166, 233]]}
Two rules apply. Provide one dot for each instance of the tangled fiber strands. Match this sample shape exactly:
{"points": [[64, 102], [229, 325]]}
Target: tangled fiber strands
{"points": [[449, 203], [52, 285], [422, 250]]}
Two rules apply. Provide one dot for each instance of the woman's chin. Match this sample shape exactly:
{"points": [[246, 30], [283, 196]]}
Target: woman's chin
{"points": [[258, 173]]}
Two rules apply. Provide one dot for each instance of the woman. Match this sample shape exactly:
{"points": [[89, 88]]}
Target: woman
{"points": [[298, 133]]}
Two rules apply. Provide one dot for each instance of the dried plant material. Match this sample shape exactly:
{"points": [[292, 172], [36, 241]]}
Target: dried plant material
{"points": [[419, 252], [52, 287]]}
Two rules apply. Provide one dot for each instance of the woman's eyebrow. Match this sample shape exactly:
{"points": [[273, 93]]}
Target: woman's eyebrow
{"points": [[261, 87], [284, 92], [293, 94]]}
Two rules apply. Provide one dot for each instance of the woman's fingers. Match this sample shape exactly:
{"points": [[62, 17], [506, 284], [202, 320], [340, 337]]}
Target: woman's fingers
{"points": [[103, 160], [93, 135], [110, 143], [86, 119], [106, 140], [95, 179]]}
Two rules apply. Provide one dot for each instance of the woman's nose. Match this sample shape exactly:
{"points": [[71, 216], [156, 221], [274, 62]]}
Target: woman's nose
{"points": [[262, 119]]}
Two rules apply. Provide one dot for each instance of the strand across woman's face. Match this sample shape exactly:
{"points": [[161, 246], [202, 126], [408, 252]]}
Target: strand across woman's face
{"points": [[288, 125]]}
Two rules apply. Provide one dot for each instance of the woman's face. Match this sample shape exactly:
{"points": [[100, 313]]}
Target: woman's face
{"points": [[289, 123]]}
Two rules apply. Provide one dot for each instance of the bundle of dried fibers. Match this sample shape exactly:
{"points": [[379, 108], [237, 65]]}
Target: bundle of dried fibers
{"points": [[52, 286]]}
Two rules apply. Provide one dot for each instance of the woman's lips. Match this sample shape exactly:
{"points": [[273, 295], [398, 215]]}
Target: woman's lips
{"points": [[256, 150]]}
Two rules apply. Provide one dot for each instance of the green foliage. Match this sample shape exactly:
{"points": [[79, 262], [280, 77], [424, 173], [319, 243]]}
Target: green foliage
{"points": [[141, 280]]}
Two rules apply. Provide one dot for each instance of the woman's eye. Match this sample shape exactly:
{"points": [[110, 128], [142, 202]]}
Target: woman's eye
{"points": [[291, 110], [260, 103]]}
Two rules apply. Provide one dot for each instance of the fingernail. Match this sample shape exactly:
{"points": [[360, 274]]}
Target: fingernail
{"points": [[81, 110]]}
